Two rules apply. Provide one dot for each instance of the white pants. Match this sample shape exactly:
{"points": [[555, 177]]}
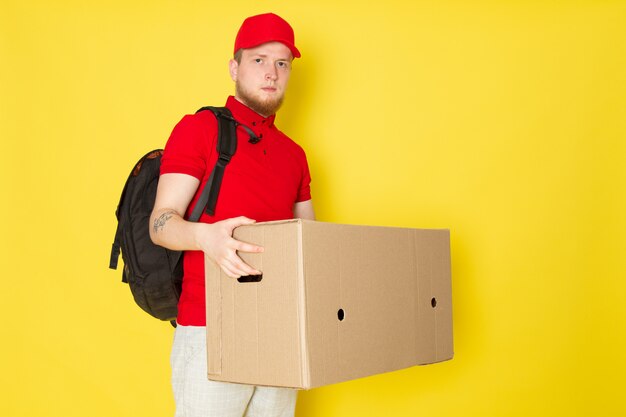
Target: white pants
{"points": [[197, 396]]}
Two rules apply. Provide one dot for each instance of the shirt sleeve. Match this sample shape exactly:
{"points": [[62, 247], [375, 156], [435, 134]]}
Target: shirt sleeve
{"points": [[304, 193], [190, 146]]}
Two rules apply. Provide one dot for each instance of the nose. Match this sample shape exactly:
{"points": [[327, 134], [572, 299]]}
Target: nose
{"points": [[271, 73]]}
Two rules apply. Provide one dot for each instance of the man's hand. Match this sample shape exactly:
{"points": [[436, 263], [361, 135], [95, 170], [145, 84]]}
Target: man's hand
{"points": [[170, 230], [216, 241]]}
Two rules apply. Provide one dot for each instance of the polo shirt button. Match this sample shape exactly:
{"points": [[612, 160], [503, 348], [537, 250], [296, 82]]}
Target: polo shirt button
{"points": [[253, 123]]}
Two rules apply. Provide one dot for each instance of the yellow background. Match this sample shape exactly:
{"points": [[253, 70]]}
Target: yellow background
{"points": [[503, 121]]}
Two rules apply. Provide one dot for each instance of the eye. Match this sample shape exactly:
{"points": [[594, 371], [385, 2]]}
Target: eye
{"points": [[282, 64], [258, 60]]}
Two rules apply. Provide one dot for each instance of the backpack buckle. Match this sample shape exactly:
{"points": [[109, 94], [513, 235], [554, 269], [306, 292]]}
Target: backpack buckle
{"points": [[224, 158]]}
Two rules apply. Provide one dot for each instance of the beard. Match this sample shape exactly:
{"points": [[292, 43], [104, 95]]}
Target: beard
{"points": [[265, 107]]}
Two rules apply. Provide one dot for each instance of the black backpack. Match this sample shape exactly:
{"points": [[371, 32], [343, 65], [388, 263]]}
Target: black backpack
{"points": [[153, 272]]}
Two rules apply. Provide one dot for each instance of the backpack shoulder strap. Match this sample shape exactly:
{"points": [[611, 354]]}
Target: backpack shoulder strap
{"points": [[226, 148]]}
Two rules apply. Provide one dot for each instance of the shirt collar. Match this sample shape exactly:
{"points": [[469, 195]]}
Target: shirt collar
{"points": [[246, 115]]}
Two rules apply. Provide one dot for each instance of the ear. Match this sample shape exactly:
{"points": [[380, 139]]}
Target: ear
{"points": [[233, 66]]}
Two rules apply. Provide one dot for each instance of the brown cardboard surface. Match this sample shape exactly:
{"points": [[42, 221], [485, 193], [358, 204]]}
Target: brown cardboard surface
{"points": [[286, 330]]}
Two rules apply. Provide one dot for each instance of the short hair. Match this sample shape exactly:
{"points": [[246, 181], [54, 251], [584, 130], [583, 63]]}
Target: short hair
{"points": [[237, 56]]}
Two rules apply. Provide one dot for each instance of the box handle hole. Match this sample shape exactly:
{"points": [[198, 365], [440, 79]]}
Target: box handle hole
{"points": [[250, 278]]}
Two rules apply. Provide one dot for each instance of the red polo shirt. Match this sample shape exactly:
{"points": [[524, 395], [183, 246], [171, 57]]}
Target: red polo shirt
{"points": [[262, 181]]}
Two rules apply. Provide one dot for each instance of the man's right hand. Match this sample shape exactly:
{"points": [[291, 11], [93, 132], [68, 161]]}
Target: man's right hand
{"points": [[170, 230], [216, 241]]}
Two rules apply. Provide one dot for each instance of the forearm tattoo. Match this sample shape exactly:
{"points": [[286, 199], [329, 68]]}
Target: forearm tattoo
{"points": [[159, 223]]}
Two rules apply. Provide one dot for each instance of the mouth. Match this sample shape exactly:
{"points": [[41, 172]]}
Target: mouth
{"points": [[269, 89]]}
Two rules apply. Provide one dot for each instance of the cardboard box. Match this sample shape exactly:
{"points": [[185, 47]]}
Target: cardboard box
{"points": [[335, 302]]}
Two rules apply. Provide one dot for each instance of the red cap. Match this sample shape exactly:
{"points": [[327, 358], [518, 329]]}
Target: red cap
{"points": [[262, 28]]}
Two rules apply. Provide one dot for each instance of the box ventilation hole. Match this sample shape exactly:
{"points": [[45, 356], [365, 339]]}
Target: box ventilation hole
{"points": [[433, 302], [340, 314]]}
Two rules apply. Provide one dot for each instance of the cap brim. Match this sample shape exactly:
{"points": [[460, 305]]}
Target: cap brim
{"points": [[294, 51]]}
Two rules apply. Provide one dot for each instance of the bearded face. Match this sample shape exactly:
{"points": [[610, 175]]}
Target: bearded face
{"points": [[261, 76], [262, 104]]}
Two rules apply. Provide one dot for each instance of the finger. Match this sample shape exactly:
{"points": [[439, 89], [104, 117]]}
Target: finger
{"points": [[238, 265], [238, 268], [228, 272], [239, 221], [232, 269], [246, 247]]}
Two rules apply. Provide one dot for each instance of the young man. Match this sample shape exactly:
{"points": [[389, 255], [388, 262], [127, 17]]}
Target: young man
{"points": [[268, 180]]}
